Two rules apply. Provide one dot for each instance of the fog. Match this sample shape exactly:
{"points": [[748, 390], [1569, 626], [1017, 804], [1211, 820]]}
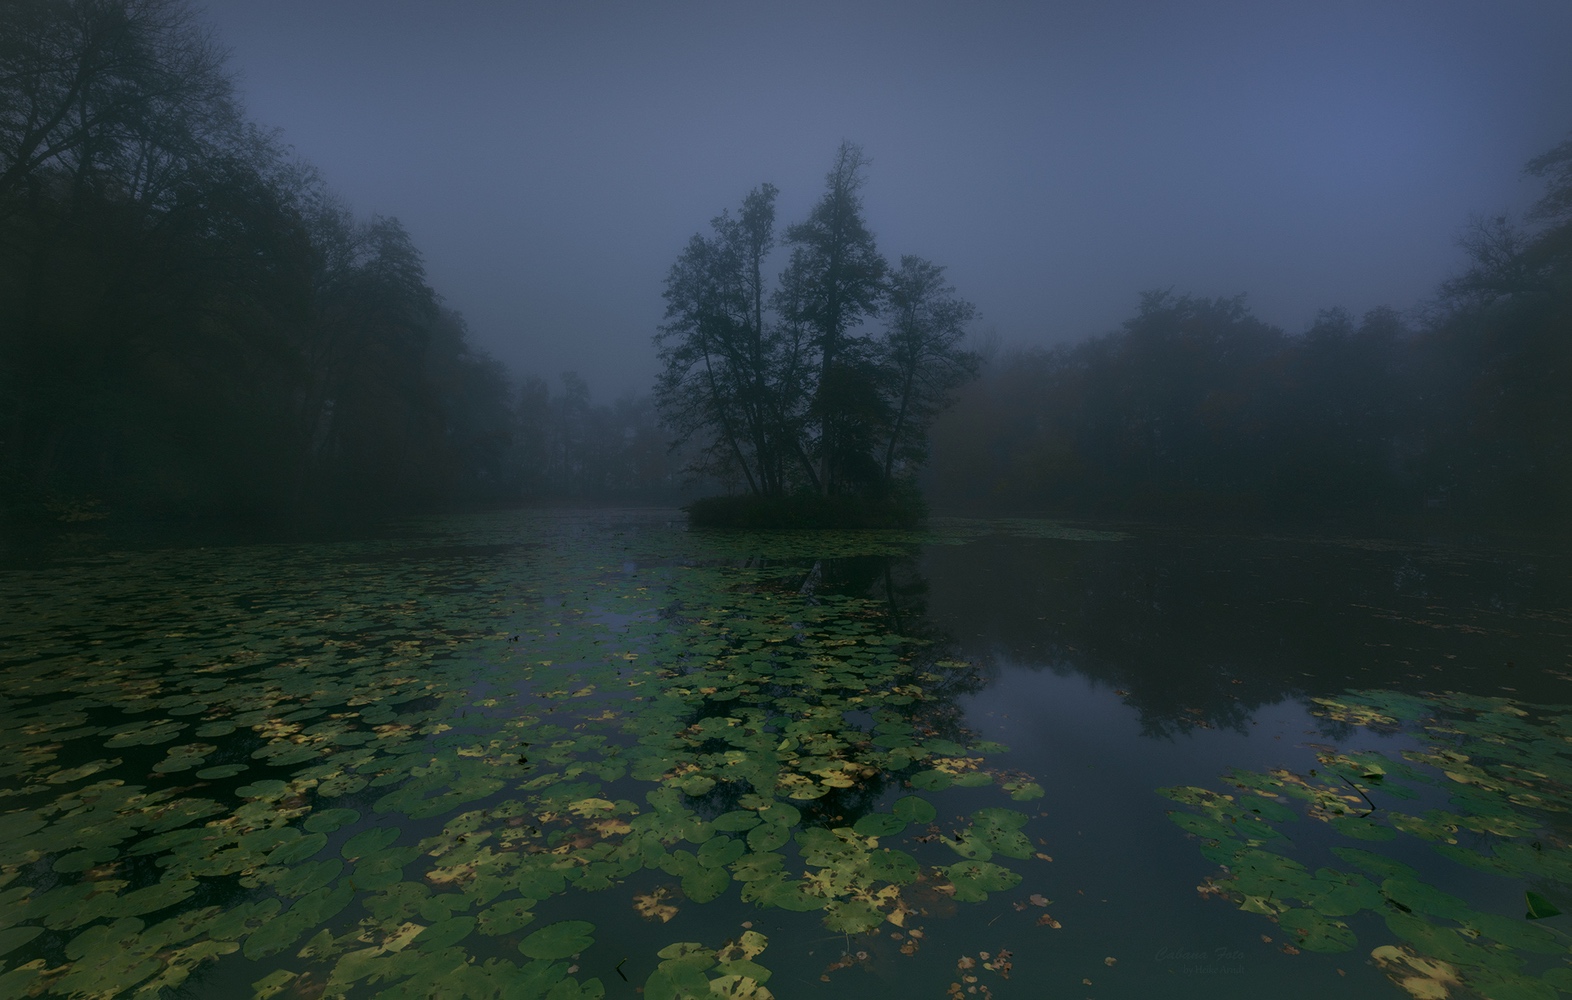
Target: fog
{"points": [[551, 160], [819, 264]]}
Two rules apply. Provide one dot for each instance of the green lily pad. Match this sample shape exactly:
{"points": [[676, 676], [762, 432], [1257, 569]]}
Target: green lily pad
{"points": [[767, 837], [446, 932], [1539, 907], [879, 825], [783, 813], [244, 919], [793, 896], [895, 867], [931, 781], [1363, 828], [721, 851], [308, 877], [328, 820], [736, 821], [220, 771], [705, 884], [1418, 897], [1376, 864], [12, 938], [913, 809], [697, 784], [152, 898], [367, 841], [562, 939], [850, 916], [1514, 933], [1313, 932], [506, 917], [973, 880], [295, 851], [307, 912], [1025, 791], [1333, 894]]}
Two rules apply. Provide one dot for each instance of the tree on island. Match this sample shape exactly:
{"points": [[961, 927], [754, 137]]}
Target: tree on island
{"points": [[785, 390]]}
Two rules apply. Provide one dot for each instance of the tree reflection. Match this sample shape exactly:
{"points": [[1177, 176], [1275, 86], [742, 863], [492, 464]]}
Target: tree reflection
{"points": [[1202, 631]]}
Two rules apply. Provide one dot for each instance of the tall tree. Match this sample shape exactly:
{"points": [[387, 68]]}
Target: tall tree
{"points": [[923, 354], [834, 280], [727, 370], [189, 323], [782, 390]]}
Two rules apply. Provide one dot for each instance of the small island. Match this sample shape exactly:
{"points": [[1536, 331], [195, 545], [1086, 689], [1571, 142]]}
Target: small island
{"points": [[784, 394]]}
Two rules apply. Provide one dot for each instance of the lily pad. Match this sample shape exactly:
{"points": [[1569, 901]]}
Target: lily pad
{"points": [[328, 820], [220, 771], [12, 938], [721, 851], [736, 821], [767, 837], [913, 809], [1539, 907], [295, 851], [367, 841], [562, 939], [705, 884], [506, 917], [973, 880], [851, 916], [879, 825], [1313, 932], [931, 781]]}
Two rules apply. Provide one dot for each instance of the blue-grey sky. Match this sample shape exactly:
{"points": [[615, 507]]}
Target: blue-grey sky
{"points": [[551, 159]]}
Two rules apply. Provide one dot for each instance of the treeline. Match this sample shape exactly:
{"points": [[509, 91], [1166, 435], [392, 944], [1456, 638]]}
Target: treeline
{"points": [[568, 448], [1197, 407], [191, 323]]}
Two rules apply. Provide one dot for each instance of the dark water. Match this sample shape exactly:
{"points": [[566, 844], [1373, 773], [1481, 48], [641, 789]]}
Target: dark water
{"points": [[407, 764], [1172, 658]]}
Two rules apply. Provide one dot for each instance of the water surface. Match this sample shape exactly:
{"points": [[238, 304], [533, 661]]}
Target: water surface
{"points": [[585, 753]]}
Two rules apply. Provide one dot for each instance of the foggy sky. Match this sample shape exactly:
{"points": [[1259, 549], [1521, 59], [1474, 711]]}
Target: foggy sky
{"points": [[551, 160]]}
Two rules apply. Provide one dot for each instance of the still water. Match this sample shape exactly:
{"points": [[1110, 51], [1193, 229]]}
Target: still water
{"points": [[563, 754]]}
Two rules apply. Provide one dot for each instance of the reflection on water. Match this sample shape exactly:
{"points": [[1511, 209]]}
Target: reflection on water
{"points": [[1171, 660], [577, 754], [1203, 631]]}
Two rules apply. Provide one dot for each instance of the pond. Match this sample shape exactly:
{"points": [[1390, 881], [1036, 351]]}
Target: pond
{"points": [[590, 753]]}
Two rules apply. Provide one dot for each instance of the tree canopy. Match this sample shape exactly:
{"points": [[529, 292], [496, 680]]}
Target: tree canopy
{"points": [[785, 391], [192, 324]]}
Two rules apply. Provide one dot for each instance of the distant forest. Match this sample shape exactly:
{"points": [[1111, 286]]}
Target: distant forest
{"points": [[1196, 407], [192, 325]]}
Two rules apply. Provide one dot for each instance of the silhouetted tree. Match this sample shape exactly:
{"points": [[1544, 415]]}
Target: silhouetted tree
{"points": [[922, 350], [728, 374], [834, 280], [780, 390], [189, 322]]}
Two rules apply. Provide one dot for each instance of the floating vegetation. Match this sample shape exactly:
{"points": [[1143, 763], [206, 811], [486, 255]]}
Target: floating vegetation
{"points": [[391, 767], [1486, 783]]}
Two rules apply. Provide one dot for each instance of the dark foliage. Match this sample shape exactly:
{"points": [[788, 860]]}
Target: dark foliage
{"points": [[191, 325], [1196, 407], [784, 392]]}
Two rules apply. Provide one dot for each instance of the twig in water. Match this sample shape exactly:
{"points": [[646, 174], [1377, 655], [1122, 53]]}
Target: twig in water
{"points": [[1362, 795]]}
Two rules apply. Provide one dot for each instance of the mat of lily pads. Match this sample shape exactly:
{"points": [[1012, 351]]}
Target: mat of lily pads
{"points": [[490, 757], [1485, 782]]}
